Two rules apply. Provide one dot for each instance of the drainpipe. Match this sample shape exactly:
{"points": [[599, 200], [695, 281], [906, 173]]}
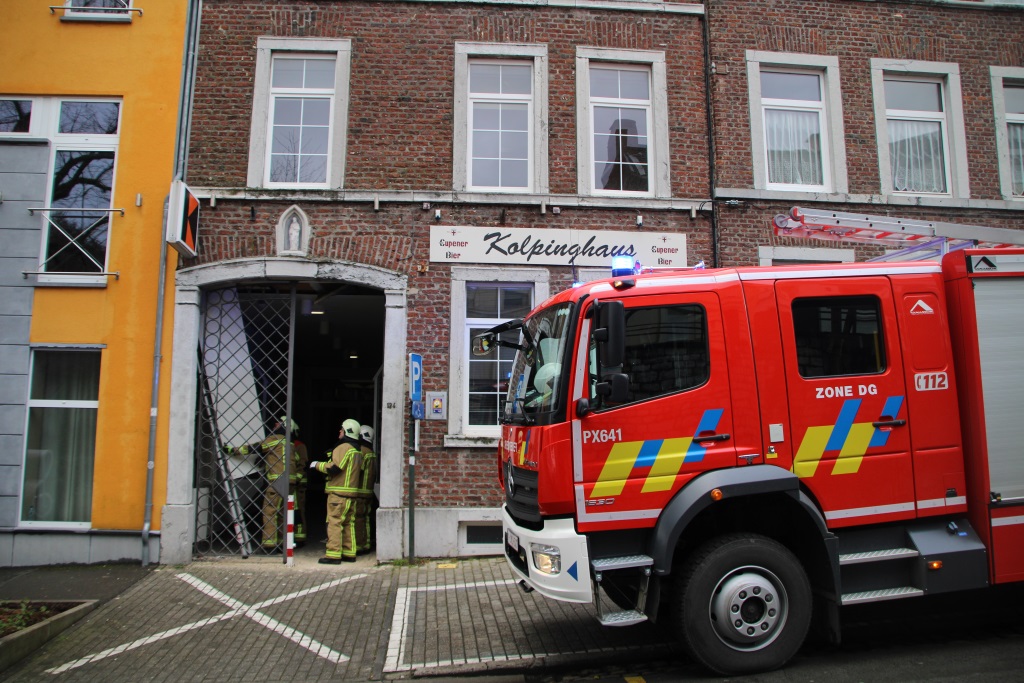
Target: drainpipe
{"points": [[180, 154], [709, 107]]}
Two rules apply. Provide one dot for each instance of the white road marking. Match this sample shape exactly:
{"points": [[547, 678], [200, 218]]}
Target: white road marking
{"points": [[237, 608]]}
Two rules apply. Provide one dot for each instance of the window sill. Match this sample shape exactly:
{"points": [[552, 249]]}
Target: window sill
{"points": [[724, 193], [94, 281], [99, 19], [463, 441]]}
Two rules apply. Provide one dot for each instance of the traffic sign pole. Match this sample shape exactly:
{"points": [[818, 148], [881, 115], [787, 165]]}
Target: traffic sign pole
{"points": [[415, 397]]}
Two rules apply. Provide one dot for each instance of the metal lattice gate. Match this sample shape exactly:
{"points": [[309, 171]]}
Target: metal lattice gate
{"points": [[244, 450]]}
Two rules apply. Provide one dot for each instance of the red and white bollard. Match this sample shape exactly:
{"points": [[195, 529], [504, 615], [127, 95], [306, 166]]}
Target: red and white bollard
{"points": [[289, 543]]}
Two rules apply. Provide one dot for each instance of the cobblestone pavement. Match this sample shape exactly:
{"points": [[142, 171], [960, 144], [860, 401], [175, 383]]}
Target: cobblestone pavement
{"points": [[260, 620]]}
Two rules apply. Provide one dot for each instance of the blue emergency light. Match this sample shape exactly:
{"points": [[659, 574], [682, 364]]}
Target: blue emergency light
{"points": [[622, 265]]}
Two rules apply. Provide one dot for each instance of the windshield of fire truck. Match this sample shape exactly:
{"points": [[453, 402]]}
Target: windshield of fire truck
{"points": [[537, 370]]}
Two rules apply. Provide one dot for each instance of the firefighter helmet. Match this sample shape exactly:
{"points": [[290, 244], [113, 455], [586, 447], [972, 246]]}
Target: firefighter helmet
{"points": [[366, 433], [284, 420], [351, 429]]}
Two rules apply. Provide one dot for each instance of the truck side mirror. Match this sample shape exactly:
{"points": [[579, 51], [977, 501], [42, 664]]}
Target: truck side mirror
{"points": [[614, 388], [611, 333]]}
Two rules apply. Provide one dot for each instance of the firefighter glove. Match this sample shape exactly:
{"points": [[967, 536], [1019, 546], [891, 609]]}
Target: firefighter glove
{"points": [[313, 464]]}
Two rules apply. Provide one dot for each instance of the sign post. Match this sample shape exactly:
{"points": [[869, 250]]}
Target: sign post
{"points": [[416, 412]]}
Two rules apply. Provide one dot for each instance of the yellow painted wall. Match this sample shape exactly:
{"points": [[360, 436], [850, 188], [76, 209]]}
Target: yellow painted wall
{"points": [[140, 62]]}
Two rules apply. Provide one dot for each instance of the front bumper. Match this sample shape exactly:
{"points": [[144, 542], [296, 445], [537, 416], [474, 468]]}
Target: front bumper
{"points": [[572, 583]]}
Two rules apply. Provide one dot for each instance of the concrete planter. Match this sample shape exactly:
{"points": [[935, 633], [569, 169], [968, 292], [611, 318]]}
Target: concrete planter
{"points": [[18, 645]]}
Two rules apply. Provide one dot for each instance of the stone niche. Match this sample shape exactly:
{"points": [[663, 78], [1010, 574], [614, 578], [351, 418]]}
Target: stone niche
{"points": [[293, 232]]}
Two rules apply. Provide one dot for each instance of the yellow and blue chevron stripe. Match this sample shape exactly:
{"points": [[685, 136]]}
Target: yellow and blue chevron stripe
{"points": [[847, 439], [658, 459]]}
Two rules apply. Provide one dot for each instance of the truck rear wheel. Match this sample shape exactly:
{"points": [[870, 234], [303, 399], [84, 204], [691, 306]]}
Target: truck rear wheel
{"points": [[743, 604]]}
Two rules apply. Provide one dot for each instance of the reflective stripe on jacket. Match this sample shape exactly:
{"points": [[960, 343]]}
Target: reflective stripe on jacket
{"points": [[349, 460]]}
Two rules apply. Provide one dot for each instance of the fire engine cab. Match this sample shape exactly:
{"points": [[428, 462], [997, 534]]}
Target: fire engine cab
{"points": [[740, 451]]}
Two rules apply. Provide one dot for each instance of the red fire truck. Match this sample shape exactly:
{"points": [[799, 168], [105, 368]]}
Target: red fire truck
{"points": [[740, 451]]}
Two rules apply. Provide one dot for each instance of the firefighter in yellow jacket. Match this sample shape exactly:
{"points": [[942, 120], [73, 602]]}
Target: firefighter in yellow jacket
{"points": [[274, 448], [364, 503], [344, 473]]}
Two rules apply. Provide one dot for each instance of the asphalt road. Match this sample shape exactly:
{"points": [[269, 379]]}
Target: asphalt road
{"points": [[974, 636]]}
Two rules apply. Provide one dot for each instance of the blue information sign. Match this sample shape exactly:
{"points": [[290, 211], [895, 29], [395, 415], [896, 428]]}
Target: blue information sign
{"points": [[419, 410]]}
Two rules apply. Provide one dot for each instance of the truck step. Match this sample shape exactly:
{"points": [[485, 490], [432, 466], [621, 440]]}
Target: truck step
{"points": [[607, 564], [878, 555], [880, 595], [624, 618]]}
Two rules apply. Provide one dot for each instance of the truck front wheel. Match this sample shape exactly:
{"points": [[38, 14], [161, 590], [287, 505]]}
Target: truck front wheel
{"points": [[743, 604]]}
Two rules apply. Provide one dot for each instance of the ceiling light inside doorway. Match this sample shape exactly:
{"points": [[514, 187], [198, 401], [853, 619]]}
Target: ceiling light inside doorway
{"points": [[353, 354]]}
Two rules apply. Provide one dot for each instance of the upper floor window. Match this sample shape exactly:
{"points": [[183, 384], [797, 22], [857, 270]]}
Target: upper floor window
{"points": [[500, 118], [796, 122], [97, 10], [15, 116], [300, 113], [1008, 99], [302, 95], [622, 123], [919, 123]]}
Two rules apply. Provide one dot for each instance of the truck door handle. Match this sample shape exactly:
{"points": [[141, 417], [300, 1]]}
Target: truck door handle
{"points": [[889, 423], [713, 437]]}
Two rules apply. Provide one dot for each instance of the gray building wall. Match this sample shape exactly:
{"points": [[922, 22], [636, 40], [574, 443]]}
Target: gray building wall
{"points": [[23, 182]]}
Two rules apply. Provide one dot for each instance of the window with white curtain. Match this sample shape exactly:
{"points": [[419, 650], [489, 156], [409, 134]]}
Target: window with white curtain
{"points": [[919, 125], [61, 442], [1014, 98], [796, 122], [916, 123], [793, 110]]}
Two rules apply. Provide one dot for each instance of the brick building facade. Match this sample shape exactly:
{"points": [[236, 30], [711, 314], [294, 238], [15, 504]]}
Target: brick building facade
{"points": [[419, 129], [864, 61]]}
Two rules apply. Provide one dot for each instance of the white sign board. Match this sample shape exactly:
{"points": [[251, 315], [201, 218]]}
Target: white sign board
{"points": [[553, 247]]}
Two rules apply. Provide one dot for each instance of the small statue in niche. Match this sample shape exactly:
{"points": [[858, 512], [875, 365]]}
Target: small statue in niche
{"points": [[294, 233]]}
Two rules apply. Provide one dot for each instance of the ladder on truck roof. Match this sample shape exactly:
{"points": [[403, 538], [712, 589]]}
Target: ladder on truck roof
{"points": [[915, 240]]}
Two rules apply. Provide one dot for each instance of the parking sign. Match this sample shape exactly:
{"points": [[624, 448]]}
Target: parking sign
{"points": [[415, 377]]}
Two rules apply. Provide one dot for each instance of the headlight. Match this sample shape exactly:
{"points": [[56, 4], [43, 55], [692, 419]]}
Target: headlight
{"points": [[547, 558]]}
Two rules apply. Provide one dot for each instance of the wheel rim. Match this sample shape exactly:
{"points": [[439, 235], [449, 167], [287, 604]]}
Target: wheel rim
{"points": [[748, 608]]}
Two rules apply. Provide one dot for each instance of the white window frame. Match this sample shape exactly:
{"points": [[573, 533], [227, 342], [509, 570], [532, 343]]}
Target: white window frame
{"points": [[460, 432], [658, 139], [948, 75], [74, 11], [58, 403], [999, 75], [262, 112], [47, 125], [833, 143], [465, 52]]}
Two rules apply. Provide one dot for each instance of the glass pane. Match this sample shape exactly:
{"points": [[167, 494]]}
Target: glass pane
{"points": [[515, 145], [913, 95], [486, 144], [1015, 139], [486, 172], [793, 140], [314, 140], [286, 139], [81, 118], [284, 168], [287, 111], [320, 73], [515, 302], [486, 116], [851, 323], [82, 179], [288, 72], [483, 375], [90, 6], [316, 112], [481, 301], [606, 177], [781, 86], [66, 375], [666, 350], [77, 239], [634, 85], [515, 117], [917, 157], [15, 116], [516, 79], [605, 119], [313, 169], [604, 82], [514, 174], [59, 465], [1012, 94], [606, 147], [484, 78], [483, 409]]}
